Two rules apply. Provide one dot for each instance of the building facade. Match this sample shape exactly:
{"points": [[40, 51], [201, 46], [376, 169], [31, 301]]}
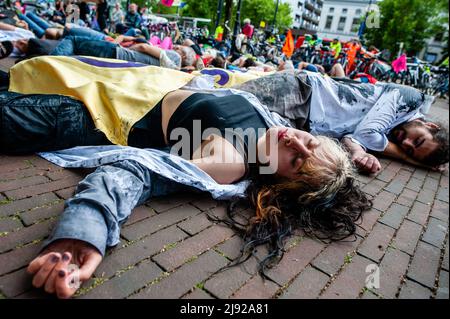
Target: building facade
{"points": [[306, 15], [341, 19]]}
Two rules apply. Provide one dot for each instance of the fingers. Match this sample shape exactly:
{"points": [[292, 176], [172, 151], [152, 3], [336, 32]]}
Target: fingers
{"points": [[37, 263], [42, 274], [67, 282], [90, 264], [59, 271]]}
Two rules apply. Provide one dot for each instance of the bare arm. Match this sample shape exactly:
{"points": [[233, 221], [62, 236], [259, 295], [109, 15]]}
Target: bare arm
{"points": [[7, 27], [147, 49]]}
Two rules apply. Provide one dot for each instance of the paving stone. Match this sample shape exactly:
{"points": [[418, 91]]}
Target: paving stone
{"points": [[132, 254], [375, 245], [26, 235], [183, 279], [440, 210], [392, 270], [17, 206], [394, 215], [383, 200], [157, 222], [350, 282], [9, 224], [369, 218], [18, 258], [197, 294], [332, 258], [431, 183], [442, 194], [374, 188], [23, 182], [30, 217], [435, 232], [419, 213], [415, 184], [307, 285], [426, 196], [41, 188], [445, 260], [193, 246], [295, 260], [126, 283], [424, 265], [395, 187], [407, 237], [15, 283], [407, 197], [256, 288], [412, 290], [442, 291], [164, 203], [140, 213]]}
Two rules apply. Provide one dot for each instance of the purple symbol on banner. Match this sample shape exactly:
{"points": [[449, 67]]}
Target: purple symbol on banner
{"points": [[224, 77], [105, 64]]}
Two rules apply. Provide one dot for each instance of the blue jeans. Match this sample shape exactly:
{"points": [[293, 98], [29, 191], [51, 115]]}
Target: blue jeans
{"points": [[35, 23], [74, 45], [83, 32]]}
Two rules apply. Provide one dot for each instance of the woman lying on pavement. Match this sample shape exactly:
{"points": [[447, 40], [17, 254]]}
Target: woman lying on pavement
{"points": [[230, 145]]}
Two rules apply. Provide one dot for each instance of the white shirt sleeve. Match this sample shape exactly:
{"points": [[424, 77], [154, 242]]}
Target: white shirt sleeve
{"points": [[371, 131]]}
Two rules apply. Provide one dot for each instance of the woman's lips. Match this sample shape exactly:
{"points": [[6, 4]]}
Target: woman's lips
{"points": [[281, 134]]}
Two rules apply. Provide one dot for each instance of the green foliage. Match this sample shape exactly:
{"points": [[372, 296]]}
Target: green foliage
{"points": [[408, 21], [255, 10]]}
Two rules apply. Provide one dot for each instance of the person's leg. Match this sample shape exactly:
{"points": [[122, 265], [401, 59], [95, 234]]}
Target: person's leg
{"points": [[145, 33], [37, 30], [83, 32], [131, 32], [337, 71], [44, 122], [85, 46], [38, 20]]}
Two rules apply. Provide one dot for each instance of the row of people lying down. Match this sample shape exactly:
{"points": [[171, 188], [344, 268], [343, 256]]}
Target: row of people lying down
{"points": [[298, 176], [73, 40]]}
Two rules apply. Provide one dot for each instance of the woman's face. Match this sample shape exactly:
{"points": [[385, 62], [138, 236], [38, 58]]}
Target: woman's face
{"points": [[287, 150]]}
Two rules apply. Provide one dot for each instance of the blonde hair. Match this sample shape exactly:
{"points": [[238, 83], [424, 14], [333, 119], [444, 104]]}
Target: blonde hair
{"points": [[320, 178]]}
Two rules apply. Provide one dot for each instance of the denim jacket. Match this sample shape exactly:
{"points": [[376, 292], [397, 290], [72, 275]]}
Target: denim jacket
{"points": [[127, 177]]}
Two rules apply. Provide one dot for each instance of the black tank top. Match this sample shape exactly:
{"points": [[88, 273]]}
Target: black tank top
{"points": [[233, 116]]}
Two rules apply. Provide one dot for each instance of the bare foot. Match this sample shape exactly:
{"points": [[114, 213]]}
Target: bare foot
{"points": [[63, 266]]}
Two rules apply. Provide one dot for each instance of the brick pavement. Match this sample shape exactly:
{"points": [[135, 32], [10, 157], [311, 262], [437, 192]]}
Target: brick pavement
{"points": [[169, 248]]}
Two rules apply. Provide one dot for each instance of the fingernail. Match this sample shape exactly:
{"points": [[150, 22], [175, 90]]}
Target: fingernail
{"points": [[55, 259], [61, 273], [65, 257]]}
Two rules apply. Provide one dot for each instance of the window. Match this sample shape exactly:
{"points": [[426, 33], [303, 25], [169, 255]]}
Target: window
{"points": [[331, 10], [329, 22], [341, 24], [299, 5], [344, 11], [355, 25], [438, 37], [358, 12], [297, 18]]}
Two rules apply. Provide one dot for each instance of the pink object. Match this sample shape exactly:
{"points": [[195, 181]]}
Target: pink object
{"points": [[167, 3], [399, 64], [165, 44]]}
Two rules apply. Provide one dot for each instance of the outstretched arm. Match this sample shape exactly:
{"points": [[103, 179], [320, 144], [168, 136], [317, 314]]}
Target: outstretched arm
{"points": [[91, 222], [363, 161]]}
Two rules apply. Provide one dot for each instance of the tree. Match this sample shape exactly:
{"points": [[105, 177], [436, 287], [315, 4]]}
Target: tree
{"points": [[407, 21]]}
